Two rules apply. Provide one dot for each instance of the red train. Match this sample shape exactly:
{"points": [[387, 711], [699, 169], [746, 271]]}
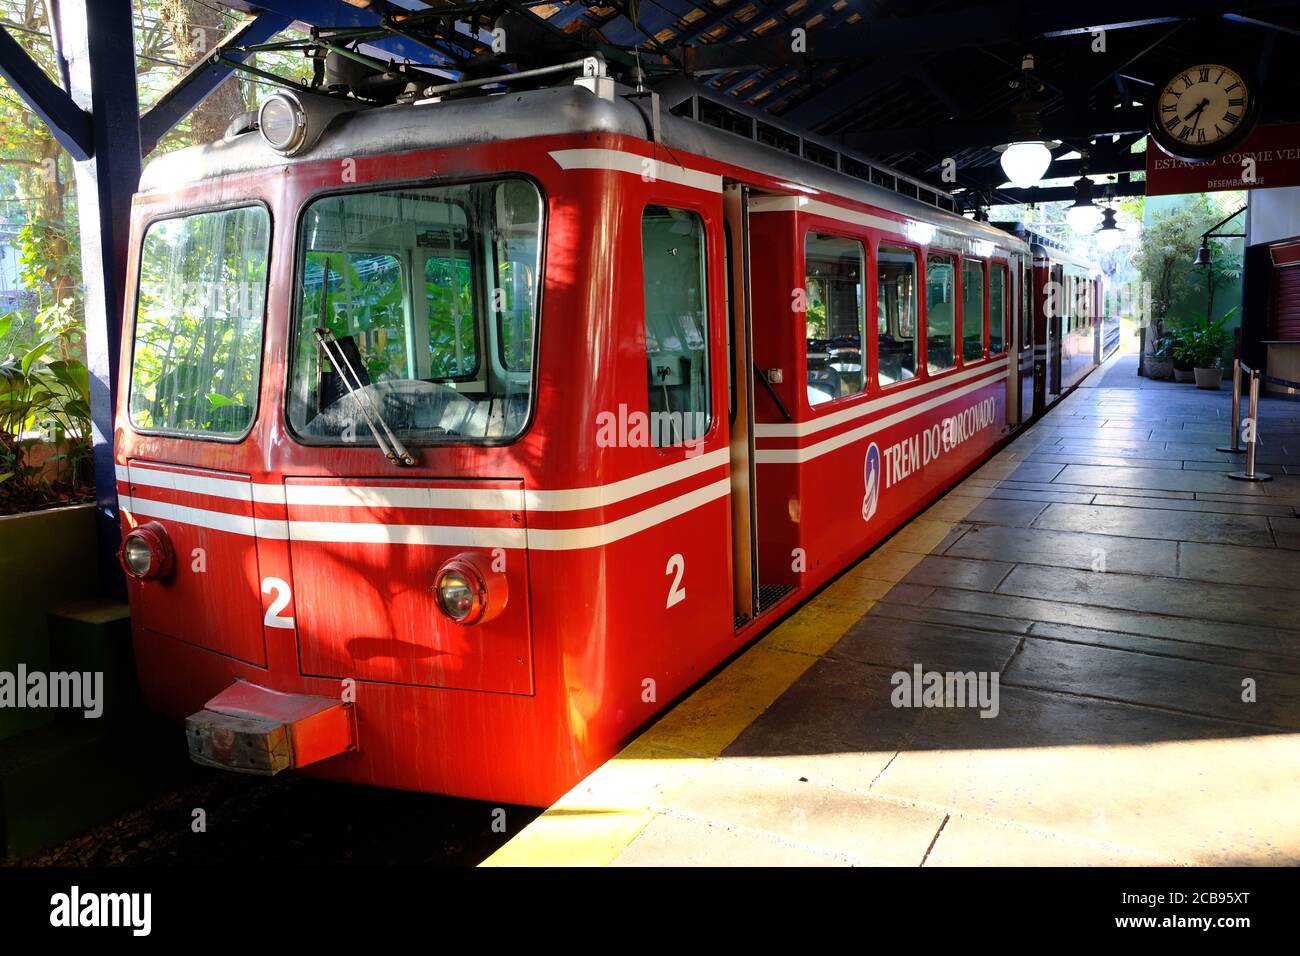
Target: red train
{"points": [[458, 438]]}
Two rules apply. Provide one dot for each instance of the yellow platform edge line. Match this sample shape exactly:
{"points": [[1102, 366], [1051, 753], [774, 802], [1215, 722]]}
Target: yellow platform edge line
{"points": [[600, 817]]}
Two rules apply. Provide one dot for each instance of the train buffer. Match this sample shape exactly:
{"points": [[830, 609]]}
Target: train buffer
{"points": [[252, 729]]}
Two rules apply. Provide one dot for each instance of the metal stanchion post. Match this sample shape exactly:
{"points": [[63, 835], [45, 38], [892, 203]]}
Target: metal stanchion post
{"points": [[1235, 424], [1250, 474]]}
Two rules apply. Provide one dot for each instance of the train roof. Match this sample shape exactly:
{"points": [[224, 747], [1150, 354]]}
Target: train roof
{"points": [[575, 109], [1045, 247]]}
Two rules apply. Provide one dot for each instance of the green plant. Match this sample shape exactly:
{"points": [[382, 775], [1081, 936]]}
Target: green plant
{"points": [[1180, 348], [44, 396], [1163, 347], [1207, 340]]}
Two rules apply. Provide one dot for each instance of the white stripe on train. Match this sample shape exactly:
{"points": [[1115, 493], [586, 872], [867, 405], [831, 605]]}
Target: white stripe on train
{"points": [[371, 496], [349, 532], [795, 456], [800, 429], [380, 496]]}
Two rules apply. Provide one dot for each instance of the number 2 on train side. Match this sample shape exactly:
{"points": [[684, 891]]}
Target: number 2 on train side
{"points": [[676, 593], [282, 596]]}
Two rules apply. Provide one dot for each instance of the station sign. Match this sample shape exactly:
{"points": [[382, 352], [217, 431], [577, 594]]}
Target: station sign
{"points": [[1268, 157]]}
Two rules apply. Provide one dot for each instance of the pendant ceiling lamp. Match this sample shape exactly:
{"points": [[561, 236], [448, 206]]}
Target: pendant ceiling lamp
{"points": [[1026, 158]]}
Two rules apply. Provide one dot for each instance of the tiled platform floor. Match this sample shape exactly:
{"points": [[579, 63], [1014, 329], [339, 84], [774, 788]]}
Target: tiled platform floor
{"points": [[1123, 589]]}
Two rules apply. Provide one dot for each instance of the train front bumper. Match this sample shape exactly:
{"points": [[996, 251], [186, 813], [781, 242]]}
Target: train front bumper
{"points": [[252, 729]]}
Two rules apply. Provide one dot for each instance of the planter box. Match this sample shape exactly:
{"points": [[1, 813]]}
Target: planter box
{"points": [[47, 560], [1209, 377], [1184, 374], [1159, 368]]}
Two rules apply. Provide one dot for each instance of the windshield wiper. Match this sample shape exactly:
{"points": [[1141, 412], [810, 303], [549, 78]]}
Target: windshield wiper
{"points": [[392, 449]]}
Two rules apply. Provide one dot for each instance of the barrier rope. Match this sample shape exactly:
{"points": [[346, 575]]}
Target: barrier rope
{"points": [[1274, 380]]}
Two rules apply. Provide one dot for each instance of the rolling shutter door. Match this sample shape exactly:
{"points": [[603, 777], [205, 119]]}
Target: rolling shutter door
{"points": [[1284, 296]]}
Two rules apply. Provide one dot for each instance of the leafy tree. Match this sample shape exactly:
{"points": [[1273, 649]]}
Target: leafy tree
{"points": [[1165, 252]]}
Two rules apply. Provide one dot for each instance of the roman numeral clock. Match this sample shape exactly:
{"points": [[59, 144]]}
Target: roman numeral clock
{"points": [[1203, 111]]}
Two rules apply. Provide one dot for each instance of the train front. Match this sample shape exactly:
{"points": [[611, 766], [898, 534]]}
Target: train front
{"points": [[331, 409]]}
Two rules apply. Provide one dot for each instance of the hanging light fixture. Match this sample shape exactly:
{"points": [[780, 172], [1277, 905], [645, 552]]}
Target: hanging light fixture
{"points": [[1026, 158], [1085, 215], [1110, 235]]}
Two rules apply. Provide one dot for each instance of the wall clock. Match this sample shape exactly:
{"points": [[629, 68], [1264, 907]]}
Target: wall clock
{"points": [[1203, 111]]}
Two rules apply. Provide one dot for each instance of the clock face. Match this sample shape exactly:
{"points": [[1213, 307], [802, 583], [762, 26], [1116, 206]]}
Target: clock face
{"points": [[1203, 111]]}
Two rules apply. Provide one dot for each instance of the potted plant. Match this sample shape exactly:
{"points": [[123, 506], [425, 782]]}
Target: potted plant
{"points": [[1207, 343], [1160, 362], [44, 421], [1180, 350]]}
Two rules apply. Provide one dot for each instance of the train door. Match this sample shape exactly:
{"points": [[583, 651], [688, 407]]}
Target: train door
{"points": [[744, 501], [1055, 329], [1094, 318], [764, 520], [1017, 411]]}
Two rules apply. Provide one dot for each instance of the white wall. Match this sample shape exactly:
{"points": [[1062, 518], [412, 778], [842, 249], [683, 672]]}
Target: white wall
{"points": [[1273, 214]]}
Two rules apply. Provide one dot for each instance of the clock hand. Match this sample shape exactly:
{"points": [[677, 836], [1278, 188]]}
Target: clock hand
{"points": [[1204, 103]]}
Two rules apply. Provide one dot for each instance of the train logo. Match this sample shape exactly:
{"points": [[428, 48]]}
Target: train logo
{"points": [[871, 478]]}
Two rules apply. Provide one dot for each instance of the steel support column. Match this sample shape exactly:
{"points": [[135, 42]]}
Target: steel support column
{"points": [[99, 47]]}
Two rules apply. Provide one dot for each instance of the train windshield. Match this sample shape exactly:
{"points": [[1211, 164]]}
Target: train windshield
{"points": [[426, 305], [198, 327]]}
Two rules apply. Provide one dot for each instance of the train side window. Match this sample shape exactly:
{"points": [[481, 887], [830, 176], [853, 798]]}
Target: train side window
{"points": [[364, 298], [453, 333], [997, 309], [673, 262], [516, 250], [1027, 308], [1063, 303], [197, 354], [731, 323], [972, 309], [896, 307], [940, 312], [835, 318], [1074, 302]]}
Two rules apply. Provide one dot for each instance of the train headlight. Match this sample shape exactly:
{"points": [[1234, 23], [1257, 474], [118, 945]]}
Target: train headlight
{"points": [[283, 122], [458, 595], [470, 589], [146, 552], [291, 121]]}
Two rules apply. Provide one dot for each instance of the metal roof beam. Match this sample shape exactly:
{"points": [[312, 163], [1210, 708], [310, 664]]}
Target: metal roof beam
{"points": [[69, 123], [1004, 22], [1098, 165], [832, 19], [202, 79], [970, 135], [339, 13], [1255, 22], [1063, 193]]}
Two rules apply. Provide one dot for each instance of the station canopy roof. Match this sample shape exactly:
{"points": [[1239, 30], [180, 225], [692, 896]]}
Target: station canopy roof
{"points": [[910, 83]]}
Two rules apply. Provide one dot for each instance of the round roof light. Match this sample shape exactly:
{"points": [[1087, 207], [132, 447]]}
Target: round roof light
{"points": [[283, 122]]}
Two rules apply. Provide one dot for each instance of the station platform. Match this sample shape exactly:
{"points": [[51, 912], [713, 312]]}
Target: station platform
{"points": [[1138, 608]]}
